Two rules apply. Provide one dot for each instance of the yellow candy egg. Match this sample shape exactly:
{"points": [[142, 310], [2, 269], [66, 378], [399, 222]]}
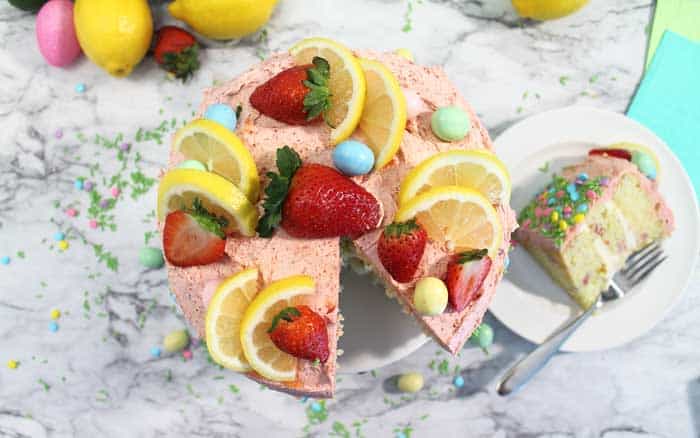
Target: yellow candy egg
{"points": [[63, 245], [555, 216], [12, 364], [410, 382], [563, 225], [578, 218], [55, 314], [430, 296]]}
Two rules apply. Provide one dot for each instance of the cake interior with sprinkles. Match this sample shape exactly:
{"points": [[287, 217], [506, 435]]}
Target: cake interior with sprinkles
{"points": [[587, 221]]}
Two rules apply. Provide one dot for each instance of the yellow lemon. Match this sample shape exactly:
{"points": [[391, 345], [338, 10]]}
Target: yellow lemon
{"points": [[547, 9], [223, 19], [114, 34]]}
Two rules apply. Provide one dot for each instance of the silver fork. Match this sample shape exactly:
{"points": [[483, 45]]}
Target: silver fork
{"points": [[637, 267]]}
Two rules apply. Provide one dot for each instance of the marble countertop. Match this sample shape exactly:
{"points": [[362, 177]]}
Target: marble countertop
{"points": [[95, 376]]}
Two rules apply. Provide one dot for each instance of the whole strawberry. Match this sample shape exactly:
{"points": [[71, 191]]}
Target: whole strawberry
{"points": [[296, 96], [300, 332], [176, 50], [465, 276], [316, 201], [401, 248]]}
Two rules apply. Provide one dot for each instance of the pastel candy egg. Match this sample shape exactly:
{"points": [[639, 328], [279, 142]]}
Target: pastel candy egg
{"points": [[353, 158], [450, 123], [430, 296], [192, 164], [410, 382], [645, 164], [414, 103], [55, 33], [151, 258], [583, 208], [176, 341], [222, 114]]}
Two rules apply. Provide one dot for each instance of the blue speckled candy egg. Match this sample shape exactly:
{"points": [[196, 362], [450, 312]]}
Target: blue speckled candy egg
{"points": [[353, 158], [450, 123], [222, 114], [645, 163]]}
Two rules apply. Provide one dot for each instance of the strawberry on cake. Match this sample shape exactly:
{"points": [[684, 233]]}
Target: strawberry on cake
{"points": [[364, 151]]}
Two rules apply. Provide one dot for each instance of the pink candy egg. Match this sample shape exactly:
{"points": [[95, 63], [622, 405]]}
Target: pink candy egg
{"points": [[414, 103], [55, 33]]}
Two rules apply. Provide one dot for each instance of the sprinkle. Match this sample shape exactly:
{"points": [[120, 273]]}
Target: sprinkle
{"points": [[194, 342], [72, 212], [63, 245], [80, 88], [316, 407], [552, 190], [58, 133], [55, 314], [458, 381], [591, 195], [560, 194], [58, 236], [400, 434], [12, 364], [115, 191], [583, 176], [604, 181], [574, 196], [578, 218], [187, 354], [582, 208], [551, 201], [563, 225], [155, 351], [104, 203], [547, 211], [5, 260], [567, 215], [92, 223], [567, 209], [554, 217], [539, 212], [53, 327], [125, 146], [78, 184], [87, 186]]}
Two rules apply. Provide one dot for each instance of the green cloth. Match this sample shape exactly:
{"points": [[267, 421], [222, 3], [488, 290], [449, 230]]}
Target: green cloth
{"points": [[680, 16], [668, 100]]}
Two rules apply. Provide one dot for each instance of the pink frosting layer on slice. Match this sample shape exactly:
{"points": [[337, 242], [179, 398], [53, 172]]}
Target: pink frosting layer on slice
{"points": [[280, 256]]}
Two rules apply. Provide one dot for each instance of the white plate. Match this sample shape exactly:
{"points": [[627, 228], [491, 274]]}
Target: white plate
{"points": [[377, 332], [528, 302]]}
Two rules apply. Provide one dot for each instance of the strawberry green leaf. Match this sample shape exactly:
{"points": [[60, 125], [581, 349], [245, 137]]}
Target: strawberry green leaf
{"points": [[288, 162], [182, 64], [287, 314], [318, 100], [397, 229], [468, 256]]}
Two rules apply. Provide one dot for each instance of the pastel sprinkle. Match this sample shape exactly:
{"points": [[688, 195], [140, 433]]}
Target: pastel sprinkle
{"points": [[125, 146], [547, 211], [87, 186], [591, 195], [583, 176], [72, 212], [80, 88], [104, 203], [567, 209], [63, 245], [5, 260], [55, 313], [578, 218], [604, 181], [567, 215], [400, 434], [563, 225], [92, 223], [560, 194], [53, 327], [552, 190], [187, 354], [78, 184], [554, 216], [115, 191], [58, 236], [155, 351], [316, 407], [458, 381], [58, 133], [582, 208], [12, 364], [551, 201]]}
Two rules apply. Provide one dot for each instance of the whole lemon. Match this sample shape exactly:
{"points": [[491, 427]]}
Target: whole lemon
{"points": [[223, 19], [547, 9], [114, 34]]}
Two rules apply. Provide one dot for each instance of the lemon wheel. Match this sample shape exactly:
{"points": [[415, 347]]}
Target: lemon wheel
{"points": [[223, 321]]}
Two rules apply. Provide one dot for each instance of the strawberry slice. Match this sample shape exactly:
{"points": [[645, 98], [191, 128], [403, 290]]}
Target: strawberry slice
{"points": [[400, 249], [193, 238], [617, 153], [300, 332], [465, 276]]}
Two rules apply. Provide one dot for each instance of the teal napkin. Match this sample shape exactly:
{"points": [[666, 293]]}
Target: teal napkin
{"points": [[680, 16], [668, 100]]}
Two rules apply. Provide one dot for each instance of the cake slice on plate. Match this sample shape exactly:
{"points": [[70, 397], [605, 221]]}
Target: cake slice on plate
{"points": [[582, 227]]}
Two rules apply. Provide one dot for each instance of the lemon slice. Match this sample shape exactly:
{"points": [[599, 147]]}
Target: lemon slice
{"points": [[260, 352], [221, 151], [476, 168], [384, 117], [180, 187], [223, 322], [460, 217], [347, 83]]}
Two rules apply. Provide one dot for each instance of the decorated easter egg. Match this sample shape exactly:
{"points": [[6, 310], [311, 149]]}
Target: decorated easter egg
{"points": [[430, 296], [222, 114], [353, 158], [450, 123], [55, 33]]}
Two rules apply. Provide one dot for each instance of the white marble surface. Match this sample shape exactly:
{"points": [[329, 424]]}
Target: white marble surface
{"points": [[101, 379]]}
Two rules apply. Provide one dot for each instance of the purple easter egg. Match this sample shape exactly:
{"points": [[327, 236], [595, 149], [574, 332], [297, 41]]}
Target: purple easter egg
{"points": [[55, 33]]}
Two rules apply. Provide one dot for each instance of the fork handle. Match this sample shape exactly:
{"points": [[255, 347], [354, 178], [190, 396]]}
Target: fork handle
{"points": [[526, 368]]}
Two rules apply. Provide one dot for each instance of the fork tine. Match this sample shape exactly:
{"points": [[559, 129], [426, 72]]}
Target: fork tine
{"points": [[643, 262], [637, 256], [636, 280]]}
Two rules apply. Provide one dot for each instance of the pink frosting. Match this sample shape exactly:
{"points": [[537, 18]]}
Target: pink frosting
{"points": [[428, 89]]}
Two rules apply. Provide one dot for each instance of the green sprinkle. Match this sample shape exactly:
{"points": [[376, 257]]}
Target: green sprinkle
{"points": [[233, 388], [563, 80]]}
